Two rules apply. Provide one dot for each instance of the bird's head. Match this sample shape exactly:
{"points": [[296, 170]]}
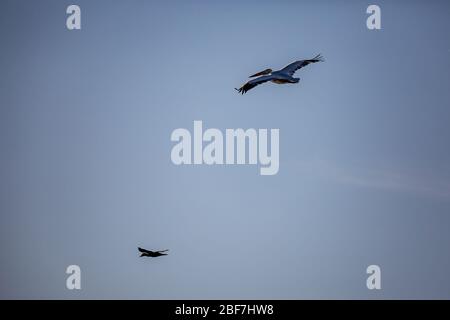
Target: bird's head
{"points": [[262, 73]]}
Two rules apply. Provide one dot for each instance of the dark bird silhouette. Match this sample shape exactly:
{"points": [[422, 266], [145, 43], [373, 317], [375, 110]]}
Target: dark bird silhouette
{"points": [[282, 76], [153, 254]]}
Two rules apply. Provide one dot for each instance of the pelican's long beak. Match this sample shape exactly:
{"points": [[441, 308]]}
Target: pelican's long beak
{"points": [[267, 71]]}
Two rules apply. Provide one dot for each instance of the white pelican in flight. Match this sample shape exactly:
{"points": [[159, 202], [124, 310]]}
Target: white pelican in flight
{"points": [[282, 76]]}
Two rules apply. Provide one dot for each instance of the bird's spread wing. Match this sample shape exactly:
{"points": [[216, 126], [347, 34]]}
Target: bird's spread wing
{"points": [[163, 250], [253, 83], [294, 66], [145, 251]]}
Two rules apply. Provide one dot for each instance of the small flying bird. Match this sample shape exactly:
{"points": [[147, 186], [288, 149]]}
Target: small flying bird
{"points": [[282, 76], [153, 254]]}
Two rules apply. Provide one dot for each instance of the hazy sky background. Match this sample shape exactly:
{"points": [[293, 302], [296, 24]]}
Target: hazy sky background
{"points": [[86, 175]]}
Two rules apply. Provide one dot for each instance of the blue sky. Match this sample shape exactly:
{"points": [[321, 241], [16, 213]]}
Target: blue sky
{"points": [[86, 118]]}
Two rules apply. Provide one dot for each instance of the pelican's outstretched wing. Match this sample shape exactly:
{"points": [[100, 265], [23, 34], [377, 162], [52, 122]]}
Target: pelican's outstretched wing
{"points": [[253, 83], [294, 66], [145, 251]]}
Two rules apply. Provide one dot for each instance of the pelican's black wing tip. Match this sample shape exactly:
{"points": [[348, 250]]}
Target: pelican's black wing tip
{"points": [[240, 90], [319, 58]]}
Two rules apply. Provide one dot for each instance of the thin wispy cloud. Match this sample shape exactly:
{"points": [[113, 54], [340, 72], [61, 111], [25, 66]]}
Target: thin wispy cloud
{"points": [[396, 180]]}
